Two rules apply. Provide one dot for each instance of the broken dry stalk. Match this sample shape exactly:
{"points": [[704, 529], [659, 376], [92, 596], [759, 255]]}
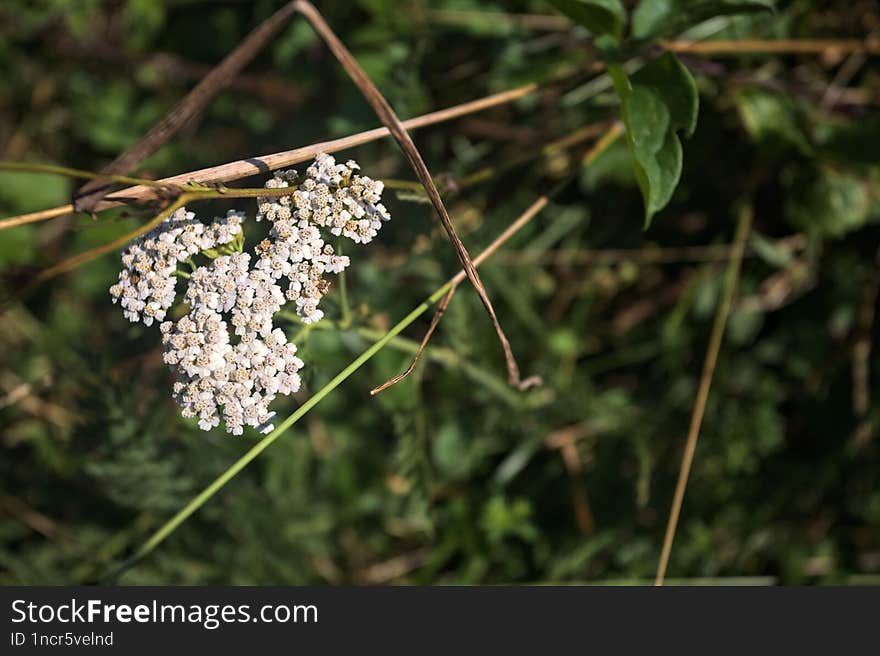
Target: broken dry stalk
{"points": [[199, 500], [384, 111], [264, 163], [91, 193], [441, 309]]}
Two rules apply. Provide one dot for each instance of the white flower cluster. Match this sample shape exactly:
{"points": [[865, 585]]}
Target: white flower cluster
{"points": [[229, 359], [215, 377], [331, 196], [228, 285], [147, 282]]}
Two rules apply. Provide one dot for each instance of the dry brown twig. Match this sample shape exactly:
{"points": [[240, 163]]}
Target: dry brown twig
{"points": [[730, 284], [385, 112], [232, 171], [524, 218], [774, 46], [213, 82], [438, 314], [556, 23], [612, 133], [565, 440], [263, 164], [88, 196]]}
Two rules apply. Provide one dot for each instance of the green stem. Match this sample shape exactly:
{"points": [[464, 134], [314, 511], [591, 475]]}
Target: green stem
{"points": [[199, 191], [304, 332], [204, 193], [450, 358], [169, 527], [51, 169], [619, 79]]}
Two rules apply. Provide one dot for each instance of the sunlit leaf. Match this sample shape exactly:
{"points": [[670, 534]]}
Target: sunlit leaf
{"points": [[656, 103]]}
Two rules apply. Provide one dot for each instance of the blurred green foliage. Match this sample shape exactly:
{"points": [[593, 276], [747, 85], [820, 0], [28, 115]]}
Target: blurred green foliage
{"points": [[452, 476]]}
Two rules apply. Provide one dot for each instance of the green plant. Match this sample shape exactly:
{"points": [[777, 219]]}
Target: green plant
{"points": [[449, 473]]}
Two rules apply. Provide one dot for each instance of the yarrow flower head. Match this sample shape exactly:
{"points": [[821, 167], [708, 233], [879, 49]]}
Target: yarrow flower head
{"points": [[331, 196], [228, 358], [147, 282]]}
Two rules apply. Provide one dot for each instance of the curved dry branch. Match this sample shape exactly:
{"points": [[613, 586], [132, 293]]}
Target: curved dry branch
{"points": [[385, 112], [264, 163], [90, 194]]}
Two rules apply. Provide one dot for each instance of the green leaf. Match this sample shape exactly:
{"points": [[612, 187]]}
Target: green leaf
{"points": [[663, 172], [647, 120], [598, 16], [656, 103], [667, 77], [654, 19]]}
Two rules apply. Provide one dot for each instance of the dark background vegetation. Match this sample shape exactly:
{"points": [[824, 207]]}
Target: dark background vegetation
{"points": [[451, 476]]}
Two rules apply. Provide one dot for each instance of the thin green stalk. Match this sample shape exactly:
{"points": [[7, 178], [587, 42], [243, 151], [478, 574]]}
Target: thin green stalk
{"points": [[199, 192], [303, 332], [78, 260], [189, 196], [171, 525], [438, 354], [305, 329], [450, 358], [52, 169]]}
